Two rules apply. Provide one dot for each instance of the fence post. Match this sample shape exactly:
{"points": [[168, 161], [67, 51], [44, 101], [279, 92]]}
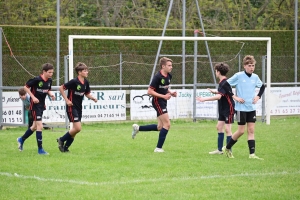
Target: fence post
{"points": [[1, 82], [195, 74], [66, 68], [263, 79], [121, 70], [240, 62]]}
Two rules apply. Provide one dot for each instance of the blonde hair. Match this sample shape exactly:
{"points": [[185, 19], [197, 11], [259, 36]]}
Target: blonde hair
{"points": [[164, 60], [249, 60]]}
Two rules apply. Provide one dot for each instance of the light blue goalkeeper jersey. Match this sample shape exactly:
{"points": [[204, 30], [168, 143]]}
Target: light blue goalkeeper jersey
{"points": [[245, 88], [26, 101]]}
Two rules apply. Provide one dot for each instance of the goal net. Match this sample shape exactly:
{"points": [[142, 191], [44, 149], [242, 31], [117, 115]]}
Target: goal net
{"points": [[121, 68]]}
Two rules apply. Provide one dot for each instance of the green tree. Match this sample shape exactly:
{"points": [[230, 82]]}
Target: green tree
{"points": [[216, 14]]}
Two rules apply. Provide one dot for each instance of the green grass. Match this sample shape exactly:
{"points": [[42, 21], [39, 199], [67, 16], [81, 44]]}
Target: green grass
{"points": [[105, 163]]}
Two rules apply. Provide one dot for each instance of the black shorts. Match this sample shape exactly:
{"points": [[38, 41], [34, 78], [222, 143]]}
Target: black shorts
{"points": [[75, 115], [229, 119], [37, 115], [159, 106], [243, 117]]}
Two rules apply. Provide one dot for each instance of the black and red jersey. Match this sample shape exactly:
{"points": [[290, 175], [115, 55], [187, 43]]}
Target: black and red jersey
{"points": [[39, 87], [226, 103], [76, 91], [160, 84]]}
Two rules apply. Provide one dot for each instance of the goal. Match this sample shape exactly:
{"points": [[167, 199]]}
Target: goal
{"points": [[174, 109]]}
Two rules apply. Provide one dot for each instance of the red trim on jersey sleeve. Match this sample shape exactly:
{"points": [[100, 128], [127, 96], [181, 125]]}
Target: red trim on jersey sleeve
{"points": [[70, 98], [231, 108]]}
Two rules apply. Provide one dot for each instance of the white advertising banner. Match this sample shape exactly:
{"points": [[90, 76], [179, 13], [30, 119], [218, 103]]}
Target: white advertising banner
{"points": [[178, 107], [258, 104], [185, 99], [12, 108], [207, 109], [111, 106], [184, 103], [284, 101], [141, 106]]}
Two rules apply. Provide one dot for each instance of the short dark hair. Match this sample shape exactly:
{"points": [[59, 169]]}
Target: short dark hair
{"points": [[47, 66], [80, 66], [22, 91], [164, 60], [223, 68]]}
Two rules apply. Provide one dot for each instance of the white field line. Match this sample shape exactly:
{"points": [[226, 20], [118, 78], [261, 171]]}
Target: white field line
{"points": [[15, 175]]}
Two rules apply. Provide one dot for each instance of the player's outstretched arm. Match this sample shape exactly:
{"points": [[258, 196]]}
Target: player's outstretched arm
{"points": [[213, 98], [212, 91]]}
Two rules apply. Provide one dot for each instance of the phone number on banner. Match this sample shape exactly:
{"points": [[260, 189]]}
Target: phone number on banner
{"points": [[104, 116], [12, 116], [285, 111]]}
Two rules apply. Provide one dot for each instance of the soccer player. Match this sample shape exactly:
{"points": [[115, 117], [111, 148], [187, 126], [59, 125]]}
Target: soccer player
{"points": [[76, 87], [38, 88], [245, 83], [225, 96], [159, 89], [26, 101]]}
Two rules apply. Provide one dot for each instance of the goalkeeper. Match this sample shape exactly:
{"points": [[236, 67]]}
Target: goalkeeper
{"points": [[245, 83]]}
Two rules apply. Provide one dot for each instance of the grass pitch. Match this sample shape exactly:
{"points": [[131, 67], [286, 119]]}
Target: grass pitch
{"points": [[105, 163]]}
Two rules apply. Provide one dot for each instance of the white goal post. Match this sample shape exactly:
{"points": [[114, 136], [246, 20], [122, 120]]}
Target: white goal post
{"points": [[162, 38]]}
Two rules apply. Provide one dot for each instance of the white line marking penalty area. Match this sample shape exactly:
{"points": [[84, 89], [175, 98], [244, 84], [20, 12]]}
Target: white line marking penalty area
{"points": [[16, 175]]}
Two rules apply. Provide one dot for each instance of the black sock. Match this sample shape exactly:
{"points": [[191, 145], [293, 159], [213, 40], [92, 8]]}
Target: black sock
{"points": [[39, 139], [251, 145], [230, 143], [65, 137], [151, 127], [228, 139], [27, 134], [220, 141], [162, 136], [68, 143]]}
